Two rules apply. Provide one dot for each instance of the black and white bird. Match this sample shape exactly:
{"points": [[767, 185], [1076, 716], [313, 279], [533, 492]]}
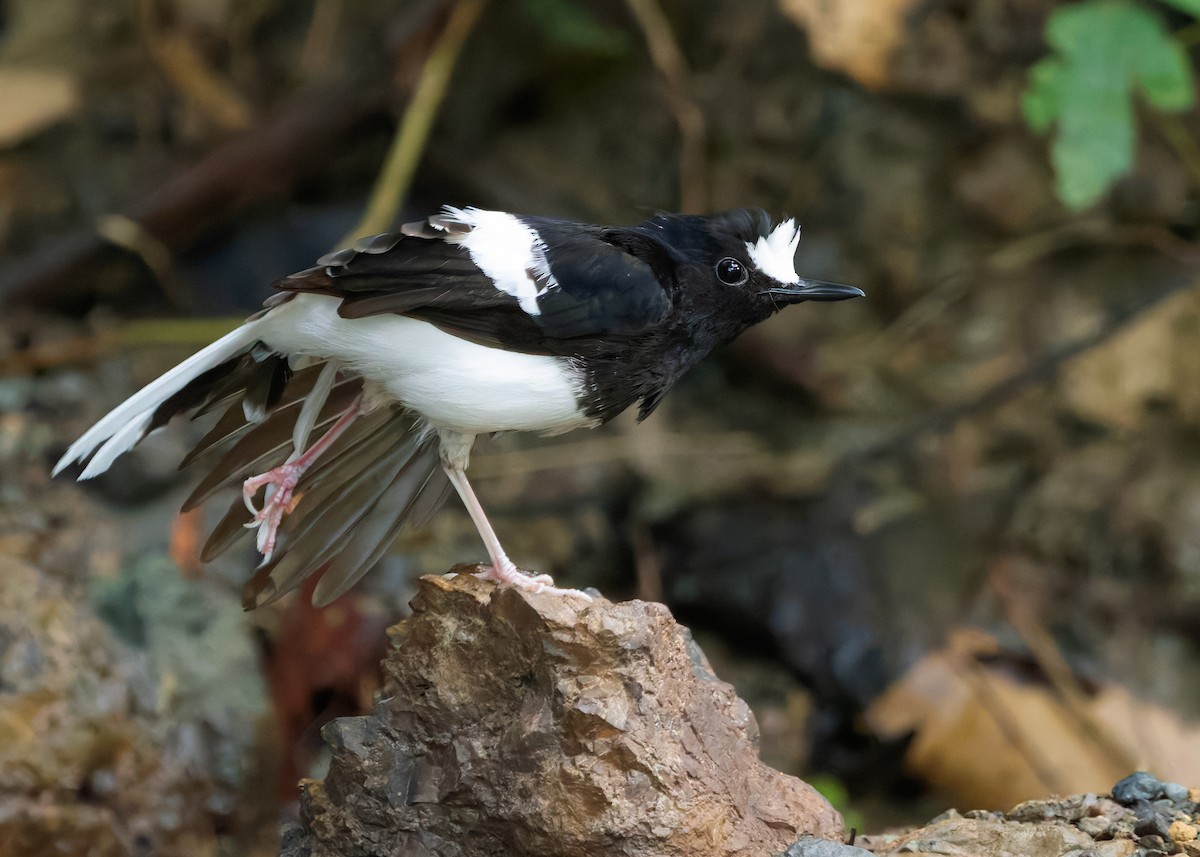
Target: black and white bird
{"points": [[352, 400]]}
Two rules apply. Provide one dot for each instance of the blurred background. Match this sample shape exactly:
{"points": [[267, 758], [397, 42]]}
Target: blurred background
{"points": [[945, 540]]}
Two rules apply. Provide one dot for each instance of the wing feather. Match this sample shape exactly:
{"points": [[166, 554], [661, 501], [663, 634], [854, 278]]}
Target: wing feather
{"points": [[594, 287]]}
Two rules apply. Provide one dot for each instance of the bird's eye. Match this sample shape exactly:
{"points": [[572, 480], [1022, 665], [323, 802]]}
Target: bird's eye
{"points": [[731, 272]]}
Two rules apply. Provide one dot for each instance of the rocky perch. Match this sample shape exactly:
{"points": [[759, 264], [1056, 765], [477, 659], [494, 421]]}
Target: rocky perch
{"points": [[529, 725], [1142, 817]]}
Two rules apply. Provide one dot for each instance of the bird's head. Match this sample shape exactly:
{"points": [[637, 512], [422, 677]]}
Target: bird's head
{"points": [[739, 265]]}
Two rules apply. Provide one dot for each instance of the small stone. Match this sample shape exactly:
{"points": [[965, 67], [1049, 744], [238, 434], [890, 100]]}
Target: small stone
{"points": [[985, 814], [1095, 826], [1139, 785], [946, 815], [1154, 825], [810, 847], [1154, 844], [1181, 831], [1175, 792], [1194, 795]]}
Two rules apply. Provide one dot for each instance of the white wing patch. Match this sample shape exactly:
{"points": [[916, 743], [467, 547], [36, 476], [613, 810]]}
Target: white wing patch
{"points": [[512, 254], [775, 255]]}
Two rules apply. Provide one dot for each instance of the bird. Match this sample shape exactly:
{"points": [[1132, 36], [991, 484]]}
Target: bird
{"points": [[351, 401]]}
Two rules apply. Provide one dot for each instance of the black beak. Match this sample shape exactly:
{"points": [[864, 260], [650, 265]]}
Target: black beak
{"points": [[816, 290]]}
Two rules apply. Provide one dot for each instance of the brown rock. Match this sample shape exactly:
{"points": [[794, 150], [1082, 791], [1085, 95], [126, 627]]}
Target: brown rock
{"points": [[532, 725], [90, 762], [986, 837], [1181, 831]]}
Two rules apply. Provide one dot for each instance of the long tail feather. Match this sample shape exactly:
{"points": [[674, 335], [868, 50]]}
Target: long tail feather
{"points": [[374, 534], [307, 542], [381, 475], [259, 449], [233, 424], [233, 524], [352, 512], [126, 424]]}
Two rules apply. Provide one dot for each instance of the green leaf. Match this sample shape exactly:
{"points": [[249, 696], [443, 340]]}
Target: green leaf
{"points": [[1043, 95], [1105, 50], [1166, 76]]}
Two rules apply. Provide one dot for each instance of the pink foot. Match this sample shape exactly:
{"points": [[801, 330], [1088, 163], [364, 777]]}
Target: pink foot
{"points": [[279, 501], [506, 573]]}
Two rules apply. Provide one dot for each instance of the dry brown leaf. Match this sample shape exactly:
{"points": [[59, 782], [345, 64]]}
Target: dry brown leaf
{"points": [[856, 37], [988, 735], [1155, 359], [32, 100]]}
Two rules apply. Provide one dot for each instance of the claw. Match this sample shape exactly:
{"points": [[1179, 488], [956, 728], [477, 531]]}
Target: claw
{"points": [[278, 500], [506, 573]]}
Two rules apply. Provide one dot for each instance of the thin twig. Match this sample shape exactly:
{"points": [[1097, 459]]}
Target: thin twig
{"points": [[127, 233], [173, 332], [408, 144], [603, 450], [670, 62], [647, 565], [187, 71], [316, 56]]}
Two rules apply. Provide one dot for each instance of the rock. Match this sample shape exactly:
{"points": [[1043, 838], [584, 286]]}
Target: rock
{"points": [[1175, 792], [1139, 785], [1080, 825], [538, 725], [1181, 831], [985, 838], [97, 754], [1154, 844], [809, 847], [1095, 826], [1155, 824]]}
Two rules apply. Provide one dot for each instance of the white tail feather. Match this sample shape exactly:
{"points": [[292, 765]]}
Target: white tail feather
{"points": [[123, 426]]}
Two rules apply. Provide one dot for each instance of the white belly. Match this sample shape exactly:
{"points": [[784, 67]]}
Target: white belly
{"points": [[452, 383]]}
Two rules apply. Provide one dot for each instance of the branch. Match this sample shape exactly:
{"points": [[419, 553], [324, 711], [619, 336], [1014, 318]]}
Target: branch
{"points": [[186, 70], [669, 60], [401, 163]]}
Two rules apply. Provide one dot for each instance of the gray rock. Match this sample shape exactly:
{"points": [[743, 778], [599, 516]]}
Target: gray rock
{"points": [[1175, 792], [1140, 785], [809, 847]]}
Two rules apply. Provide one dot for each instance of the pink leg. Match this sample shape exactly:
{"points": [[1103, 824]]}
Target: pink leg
{"points": [[502, 569], [281, 482]]}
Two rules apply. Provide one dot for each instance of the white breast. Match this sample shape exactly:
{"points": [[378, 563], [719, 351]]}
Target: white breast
{"points": [[452, 383]]}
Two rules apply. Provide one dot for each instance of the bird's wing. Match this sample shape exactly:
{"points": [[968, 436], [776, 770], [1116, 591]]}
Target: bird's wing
{"points": [[527, 284]]}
